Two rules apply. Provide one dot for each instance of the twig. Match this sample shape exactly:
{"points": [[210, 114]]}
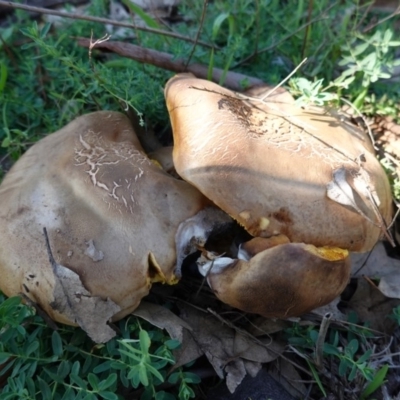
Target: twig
{"points": [[64, 14], [384, 351], [203, 281], [365, 261], [105, 38], [319, 346], [49, 252], [359, 113], [395, 216], [283, 81], [203, 14], [167, 61], [393, 14]]}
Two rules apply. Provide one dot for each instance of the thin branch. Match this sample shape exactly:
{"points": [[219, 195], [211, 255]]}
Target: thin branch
{"points": [[203, 14], [283, 81], [359, 113], [105, 38], [393, 14], [160, 59], [319, 346], [64, 14]]}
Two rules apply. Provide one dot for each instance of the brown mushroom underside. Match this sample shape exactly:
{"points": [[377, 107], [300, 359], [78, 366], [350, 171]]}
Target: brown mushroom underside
{"points": [[111, 216]]}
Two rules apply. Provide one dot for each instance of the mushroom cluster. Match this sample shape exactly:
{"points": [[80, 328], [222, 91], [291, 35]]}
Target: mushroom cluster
{"points": [[88, 221]]}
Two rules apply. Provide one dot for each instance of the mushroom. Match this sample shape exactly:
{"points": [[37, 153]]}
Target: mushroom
{"points": [[279, 169], [111, 215], [283, 281]]}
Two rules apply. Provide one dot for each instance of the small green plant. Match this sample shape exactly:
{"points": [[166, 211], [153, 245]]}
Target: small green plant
{"points": [[64, 364], [394, 179], [365, 61], [352, 360], [376, 383], [350, 363], [368, 59]]}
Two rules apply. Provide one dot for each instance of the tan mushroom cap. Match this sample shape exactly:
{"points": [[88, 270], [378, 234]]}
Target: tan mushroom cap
{"points": [[111, 216], [269, 164], [283, 281]]}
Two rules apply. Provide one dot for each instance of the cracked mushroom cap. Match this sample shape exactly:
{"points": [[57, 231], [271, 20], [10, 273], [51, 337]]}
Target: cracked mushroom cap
{"points": [[111, 215], [277, 168], [283, 281]]}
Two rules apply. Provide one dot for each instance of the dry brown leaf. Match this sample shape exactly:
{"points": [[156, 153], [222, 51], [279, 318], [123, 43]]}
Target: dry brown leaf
{"points": [[261, 387], [252, 368], [389, 285], [235, 373], [91, 312], [340, 190], [162, 318], [187, 352], [267, 326], [228, 351], [375, 264], [286, 374], [176, 327], [372, 306], [246, 348]]}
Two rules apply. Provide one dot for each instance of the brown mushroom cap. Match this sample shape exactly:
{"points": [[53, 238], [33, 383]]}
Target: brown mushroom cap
{"points": [[281, 282], [269, 165], [111, 216]]}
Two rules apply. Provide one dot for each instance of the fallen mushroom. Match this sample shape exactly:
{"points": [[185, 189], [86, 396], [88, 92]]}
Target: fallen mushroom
{"points": [[111, 215], [278, 169], [283, 281]]}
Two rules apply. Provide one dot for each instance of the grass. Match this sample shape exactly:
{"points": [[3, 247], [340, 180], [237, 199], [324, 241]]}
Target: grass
{"points": [[46, 80]]}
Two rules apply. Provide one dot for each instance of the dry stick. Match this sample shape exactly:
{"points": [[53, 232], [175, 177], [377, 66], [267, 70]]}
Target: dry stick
{"points": [[203, 14], [283, 81], [320, 17], [52, 261], [395, 12], [167, 61], [319, 346], [64, 14]]}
